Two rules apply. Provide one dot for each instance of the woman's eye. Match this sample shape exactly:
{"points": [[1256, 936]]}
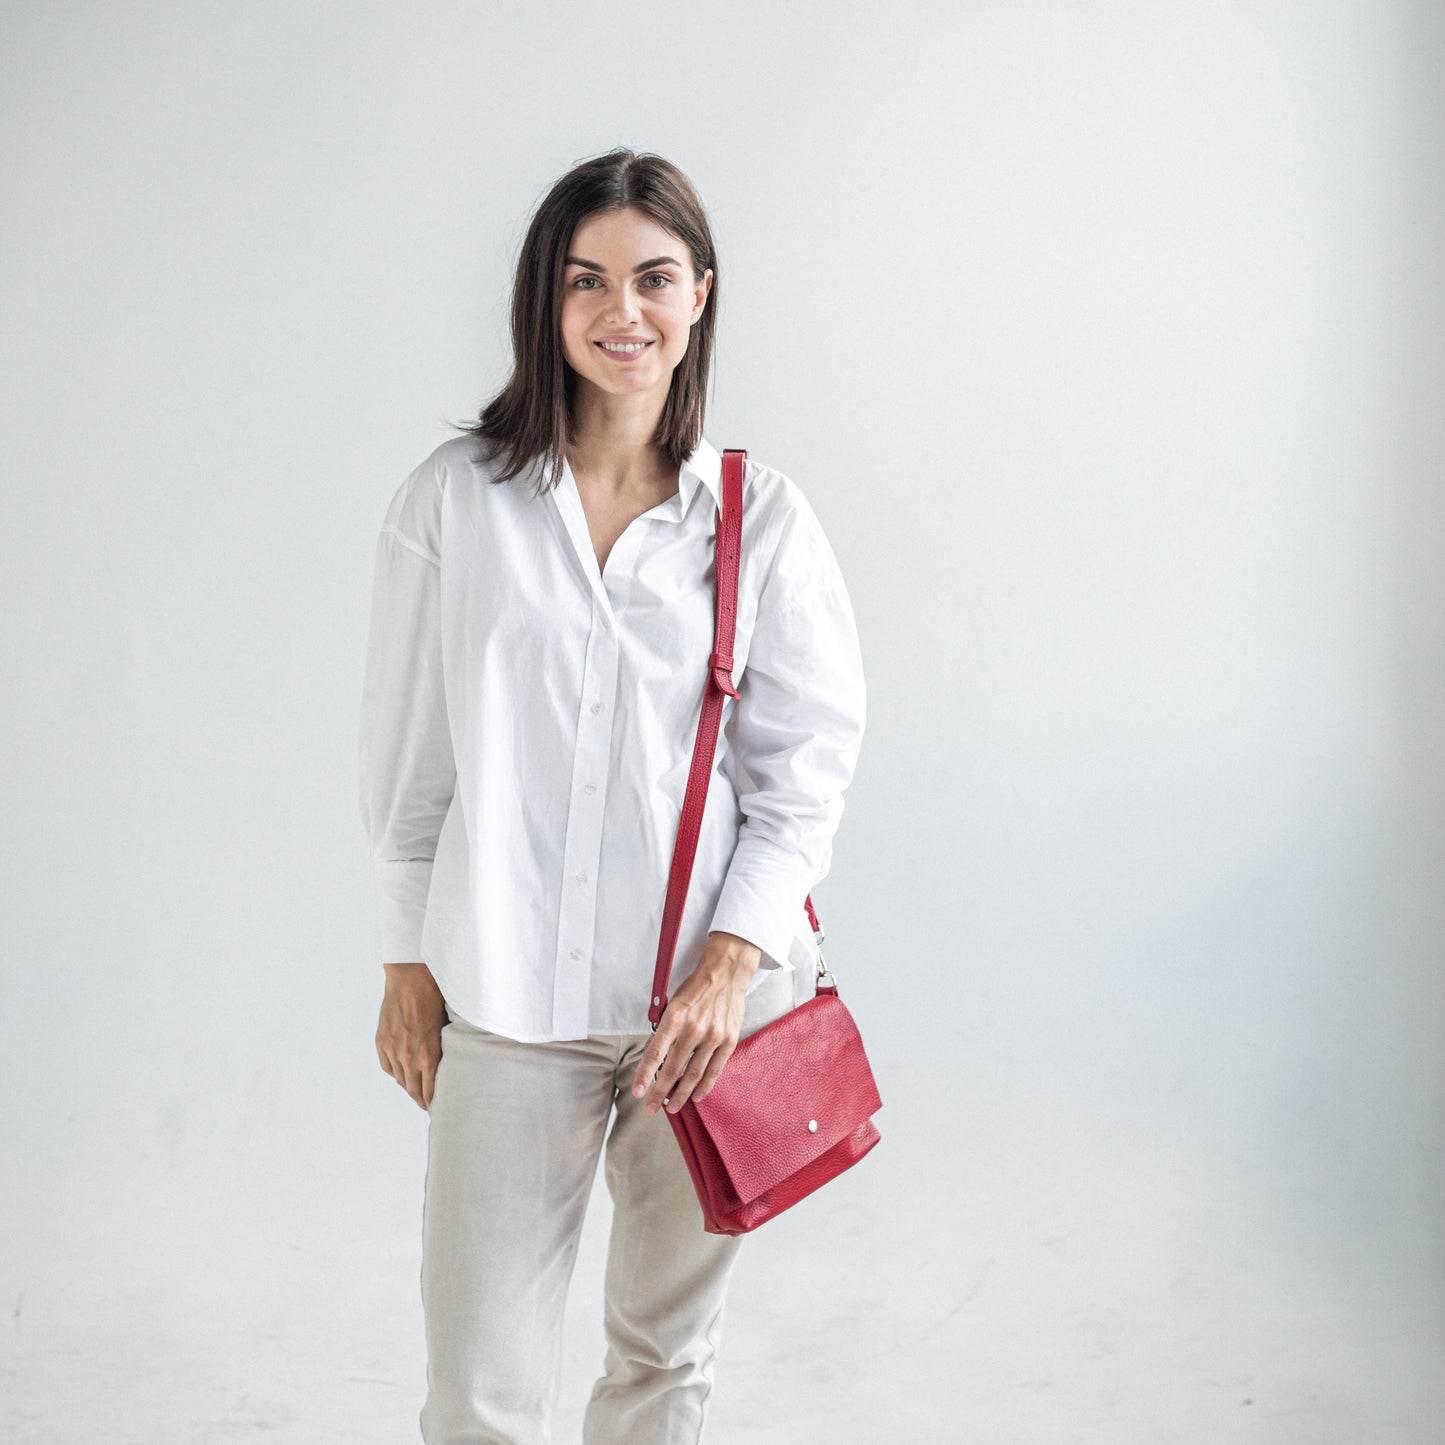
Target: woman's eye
{"points": [[654, 276]]}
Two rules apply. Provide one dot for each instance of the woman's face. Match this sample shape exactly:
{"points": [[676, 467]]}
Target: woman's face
{"points": [[628, 279]]}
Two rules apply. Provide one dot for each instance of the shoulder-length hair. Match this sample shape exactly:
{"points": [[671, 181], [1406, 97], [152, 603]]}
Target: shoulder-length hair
{"points": [[531, 417]]}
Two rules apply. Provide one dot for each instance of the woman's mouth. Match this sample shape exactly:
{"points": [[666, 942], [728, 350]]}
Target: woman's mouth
{"points": [[619, 351]]}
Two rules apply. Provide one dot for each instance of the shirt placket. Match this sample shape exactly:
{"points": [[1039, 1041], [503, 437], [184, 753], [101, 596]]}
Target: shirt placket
{"points": [[587, 797]]}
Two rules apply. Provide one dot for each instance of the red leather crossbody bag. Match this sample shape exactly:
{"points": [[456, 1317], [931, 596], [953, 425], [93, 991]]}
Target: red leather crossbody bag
{"points": [[792, 1107]]}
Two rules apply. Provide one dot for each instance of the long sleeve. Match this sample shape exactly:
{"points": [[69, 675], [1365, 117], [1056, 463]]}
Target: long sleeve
{"points": [[407, 767], [798, 725]]}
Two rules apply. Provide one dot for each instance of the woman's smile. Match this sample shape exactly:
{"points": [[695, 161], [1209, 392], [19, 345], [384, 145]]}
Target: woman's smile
{"points": [[620, 351]]}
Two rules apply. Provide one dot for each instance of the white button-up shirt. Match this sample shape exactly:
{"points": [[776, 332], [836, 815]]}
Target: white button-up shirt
{"points": [[528, 722]]}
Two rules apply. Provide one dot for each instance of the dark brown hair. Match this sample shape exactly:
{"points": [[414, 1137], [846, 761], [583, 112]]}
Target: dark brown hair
{"points": [[532, 414]]}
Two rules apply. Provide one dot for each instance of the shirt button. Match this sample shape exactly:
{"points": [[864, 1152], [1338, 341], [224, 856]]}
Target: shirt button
{"points": [[576, 953], [596, 707], [581, 877], [589, 787]]}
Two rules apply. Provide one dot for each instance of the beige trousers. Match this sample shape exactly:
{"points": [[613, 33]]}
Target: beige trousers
{"points": [[514, 1135]]}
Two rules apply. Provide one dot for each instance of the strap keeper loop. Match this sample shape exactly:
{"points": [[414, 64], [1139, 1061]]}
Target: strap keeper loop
{"points": [[722, 668]]}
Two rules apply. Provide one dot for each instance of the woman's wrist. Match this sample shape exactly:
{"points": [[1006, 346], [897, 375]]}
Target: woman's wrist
{"points": [[737, 954]]}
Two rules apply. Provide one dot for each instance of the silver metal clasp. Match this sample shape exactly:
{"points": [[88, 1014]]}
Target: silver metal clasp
{"points": [[823, 971]]}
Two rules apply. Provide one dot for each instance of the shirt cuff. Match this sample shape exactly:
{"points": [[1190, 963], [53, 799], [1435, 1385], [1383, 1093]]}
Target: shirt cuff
{"points": [[762, 898], [402, 889]]}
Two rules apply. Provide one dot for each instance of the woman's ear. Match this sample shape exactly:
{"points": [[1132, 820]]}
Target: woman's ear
{"points": [[702, 291]]}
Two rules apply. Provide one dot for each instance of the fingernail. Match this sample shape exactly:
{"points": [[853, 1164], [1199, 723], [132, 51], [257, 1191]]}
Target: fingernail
{"points": [[638, 1090]]}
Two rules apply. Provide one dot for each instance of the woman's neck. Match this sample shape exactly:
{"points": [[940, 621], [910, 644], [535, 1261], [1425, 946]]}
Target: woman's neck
{"points": [[612, 442]]}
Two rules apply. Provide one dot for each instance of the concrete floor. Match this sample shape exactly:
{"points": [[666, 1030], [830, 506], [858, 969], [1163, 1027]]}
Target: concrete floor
{"points": [[914, 1300]]}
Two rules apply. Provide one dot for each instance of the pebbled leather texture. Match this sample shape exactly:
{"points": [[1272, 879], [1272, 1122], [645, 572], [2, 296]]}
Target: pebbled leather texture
{"points": [[748, 1144]]}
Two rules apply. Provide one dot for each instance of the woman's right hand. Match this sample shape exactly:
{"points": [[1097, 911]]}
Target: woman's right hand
{"points": [[409, 1032]]}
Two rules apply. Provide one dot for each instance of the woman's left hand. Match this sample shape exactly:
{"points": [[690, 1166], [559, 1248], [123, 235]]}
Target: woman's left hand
{"points": [[700, 1026]]}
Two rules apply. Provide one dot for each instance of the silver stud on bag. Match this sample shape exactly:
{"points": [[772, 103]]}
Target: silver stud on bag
{"points": [[812, 1126]]}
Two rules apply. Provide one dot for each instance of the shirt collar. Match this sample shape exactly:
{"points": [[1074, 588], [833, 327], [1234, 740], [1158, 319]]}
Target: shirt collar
{"points": [[702, 465]]}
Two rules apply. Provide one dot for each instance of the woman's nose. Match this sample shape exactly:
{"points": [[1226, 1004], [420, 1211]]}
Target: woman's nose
{"points": [[624, 305]]}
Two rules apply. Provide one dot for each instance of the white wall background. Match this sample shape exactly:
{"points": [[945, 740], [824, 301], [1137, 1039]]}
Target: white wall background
{"points": [[1106, 340]]}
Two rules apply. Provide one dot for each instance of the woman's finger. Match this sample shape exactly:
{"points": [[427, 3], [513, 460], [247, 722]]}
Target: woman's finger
{"points": [[706, 1046], [415, 1081], [665, 1056], [713, 1072], [667, 1077], [659, 1047], [647, 1068], [682, 1091]]}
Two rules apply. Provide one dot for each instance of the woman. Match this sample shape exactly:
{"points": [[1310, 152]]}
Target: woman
{"points": [[536, 667]]}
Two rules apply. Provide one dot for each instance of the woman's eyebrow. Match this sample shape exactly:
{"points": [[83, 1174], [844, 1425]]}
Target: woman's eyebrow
{"points": [[644, 266]]}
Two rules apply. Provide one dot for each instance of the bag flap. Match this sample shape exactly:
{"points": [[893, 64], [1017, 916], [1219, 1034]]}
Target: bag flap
{"points": [[806, 1067]]}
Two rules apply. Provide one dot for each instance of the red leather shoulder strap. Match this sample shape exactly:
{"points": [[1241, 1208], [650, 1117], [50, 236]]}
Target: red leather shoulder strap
{"points": [[704, 752]]}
